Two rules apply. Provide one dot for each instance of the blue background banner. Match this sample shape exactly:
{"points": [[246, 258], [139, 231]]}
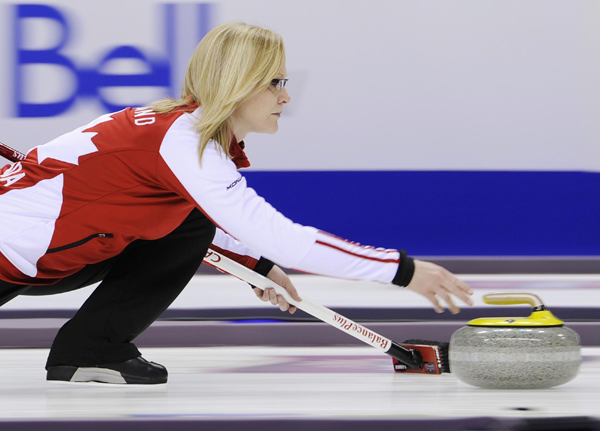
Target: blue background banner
{"points": [[445, 213]]}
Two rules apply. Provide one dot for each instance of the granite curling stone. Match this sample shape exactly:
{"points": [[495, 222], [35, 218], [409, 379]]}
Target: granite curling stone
{"points": [[534, 352]]}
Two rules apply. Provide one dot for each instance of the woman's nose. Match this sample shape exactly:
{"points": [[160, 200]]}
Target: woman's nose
{"points": [[284, 97]]}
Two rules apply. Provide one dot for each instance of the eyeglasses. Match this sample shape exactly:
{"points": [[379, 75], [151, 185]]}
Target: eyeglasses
{"points": [[279, 84]]}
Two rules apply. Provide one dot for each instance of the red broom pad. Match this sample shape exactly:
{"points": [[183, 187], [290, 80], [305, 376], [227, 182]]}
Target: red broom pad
{"points": [[432, 360]]}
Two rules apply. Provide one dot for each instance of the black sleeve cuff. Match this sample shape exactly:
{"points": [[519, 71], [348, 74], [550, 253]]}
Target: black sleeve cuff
{"points": [[406, 270], [263, 266]]}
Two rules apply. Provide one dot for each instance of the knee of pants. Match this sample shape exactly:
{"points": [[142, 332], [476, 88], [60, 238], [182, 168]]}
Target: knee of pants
{"points": [[188, 242], [196, 230]]}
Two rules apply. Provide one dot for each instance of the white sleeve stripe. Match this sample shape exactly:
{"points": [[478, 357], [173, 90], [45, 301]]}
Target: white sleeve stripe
{"points": [[383, 254], [376, 259], [344, 243], [330, 260]]}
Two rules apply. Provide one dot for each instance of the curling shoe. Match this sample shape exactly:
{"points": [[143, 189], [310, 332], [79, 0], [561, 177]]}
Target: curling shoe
{"points": [[136, 371]]}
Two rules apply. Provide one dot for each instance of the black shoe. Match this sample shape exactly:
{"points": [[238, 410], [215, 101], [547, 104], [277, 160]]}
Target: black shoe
{"points": [[137, 371]]}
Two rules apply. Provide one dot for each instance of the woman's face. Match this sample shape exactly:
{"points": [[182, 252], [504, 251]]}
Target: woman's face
{"points": [[261, 113]]}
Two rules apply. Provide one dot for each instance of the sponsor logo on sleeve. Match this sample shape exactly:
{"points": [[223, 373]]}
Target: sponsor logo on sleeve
{"points": [[235, 183]]}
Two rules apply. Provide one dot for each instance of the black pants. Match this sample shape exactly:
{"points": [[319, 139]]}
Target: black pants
{"points": [[137, 287]]}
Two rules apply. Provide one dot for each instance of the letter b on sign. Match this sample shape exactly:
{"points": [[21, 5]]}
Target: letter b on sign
{"points": [[85, 81], [46, 56]]}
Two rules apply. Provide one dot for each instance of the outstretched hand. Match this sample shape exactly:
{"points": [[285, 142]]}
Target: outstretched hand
{"points": [[435, 283], [268, 295]]}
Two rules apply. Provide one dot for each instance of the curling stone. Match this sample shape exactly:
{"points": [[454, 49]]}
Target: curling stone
{"points": [[532, 352]]}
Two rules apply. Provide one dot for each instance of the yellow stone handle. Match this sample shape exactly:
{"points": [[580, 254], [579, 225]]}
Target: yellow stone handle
{"points": [[513, 299]]}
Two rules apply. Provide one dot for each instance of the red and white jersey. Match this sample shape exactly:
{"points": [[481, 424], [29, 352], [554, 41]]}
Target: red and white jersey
{"points": [[83, 197]]}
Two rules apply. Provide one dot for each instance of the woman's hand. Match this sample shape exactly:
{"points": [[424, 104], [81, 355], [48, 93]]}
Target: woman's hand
{"points": [[435, 283], [278, 276]]}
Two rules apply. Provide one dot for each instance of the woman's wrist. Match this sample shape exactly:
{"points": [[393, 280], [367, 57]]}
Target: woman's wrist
{"points": [[406, 270], [263, 266]]}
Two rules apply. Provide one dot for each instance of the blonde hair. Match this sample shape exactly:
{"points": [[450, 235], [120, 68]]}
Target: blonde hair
{"points": [[232, 63]]}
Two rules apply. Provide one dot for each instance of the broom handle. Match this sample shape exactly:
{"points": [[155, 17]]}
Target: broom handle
{"points": [[10, 153], [411, 358], [408, 357]]}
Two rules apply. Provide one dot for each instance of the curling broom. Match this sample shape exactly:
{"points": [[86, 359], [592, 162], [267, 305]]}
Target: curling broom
{"points": [[420, 356], [415, 356], [10, 153]]}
